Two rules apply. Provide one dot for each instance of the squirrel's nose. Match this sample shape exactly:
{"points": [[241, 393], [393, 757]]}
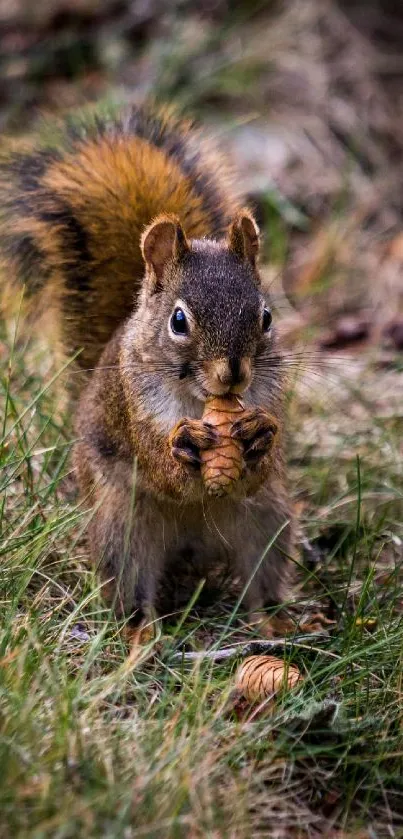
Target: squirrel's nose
{"points": [[232, 374]]}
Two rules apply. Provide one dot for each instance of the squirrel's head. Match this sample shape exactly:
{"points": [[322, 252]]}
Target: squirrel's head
{"points": [[202, 316]]}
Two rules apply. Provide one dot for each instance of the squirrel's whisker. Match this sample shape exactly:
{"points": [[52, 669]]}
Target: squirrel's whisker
{"points": [[90, 265]]}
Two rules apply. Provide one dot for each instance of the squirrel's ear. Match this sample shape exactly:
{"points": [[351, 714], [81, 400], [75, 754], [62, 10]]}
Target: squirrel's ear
{"points": [[163, 240], [243, 236]]}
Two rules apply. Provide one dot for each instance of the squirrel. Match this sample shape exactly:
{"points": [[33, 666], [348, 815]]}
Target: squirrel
{"points": [[130, 227]]}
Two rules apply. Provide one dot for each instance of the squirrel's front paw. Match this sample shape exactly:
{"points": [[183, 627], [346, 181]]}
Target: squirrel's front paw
{"points": [[188, 438], [256, 429]]}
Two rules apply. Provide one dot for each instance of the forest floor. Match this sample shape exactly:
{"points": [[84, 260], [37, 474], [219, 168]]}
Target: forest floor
{"points": [[98, 741]]}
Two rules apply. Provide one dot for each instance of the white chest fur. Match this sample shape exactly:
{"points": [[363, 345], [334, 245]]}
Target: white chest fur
{"points": [[167, 405], [168, 402]]}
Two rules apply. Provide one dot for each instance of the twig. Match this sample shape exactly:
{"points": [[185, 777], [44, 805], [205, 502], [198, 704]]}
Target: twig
{"points": [[252, 648]]}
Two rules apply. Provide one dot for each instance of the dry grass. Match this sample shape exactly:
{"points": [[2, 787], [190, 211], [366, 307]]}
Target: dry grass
{"points": [[96, 743]]}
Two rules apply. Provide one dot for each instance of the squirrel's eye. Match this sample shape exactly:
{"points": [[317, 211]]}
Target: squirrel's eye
{"points": [[267, 319], [179, 323]]}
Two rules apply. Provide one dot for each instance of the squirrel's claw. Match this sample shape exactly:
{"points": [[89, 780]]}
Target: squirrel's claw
{"points": [[256, 429], [188, 438], [259, 446], [186, 456]]}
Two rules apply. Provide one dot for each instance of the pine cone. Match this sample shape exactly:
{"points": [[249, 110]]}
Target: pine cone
{"points": [[262, 676], [222, 465]]}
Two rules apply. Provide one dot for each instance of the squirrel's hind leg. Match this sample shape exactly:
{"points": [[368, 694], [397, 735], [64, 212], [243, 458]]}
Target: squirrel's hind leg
{"points": [[264, 558], [125, 541]]}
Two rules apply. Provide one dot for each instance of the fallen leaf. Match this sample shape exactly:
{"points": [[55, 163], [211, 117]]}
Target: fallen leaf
{"points": [[394, 332], [347, 330]]}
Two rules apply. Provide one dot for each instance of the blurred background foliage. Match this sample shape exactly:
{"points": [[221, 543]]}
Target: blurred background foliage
{"points": [[307, 96]]}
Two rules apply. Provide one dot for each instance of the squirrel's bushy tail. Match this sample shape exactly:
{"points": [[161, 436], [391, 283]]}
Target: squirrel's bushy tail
{"points": [[72, 212]]}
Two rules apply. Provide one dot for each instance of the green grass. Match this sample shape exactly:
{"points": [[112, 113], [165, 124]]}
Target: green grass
{"points": [[94, 743]]}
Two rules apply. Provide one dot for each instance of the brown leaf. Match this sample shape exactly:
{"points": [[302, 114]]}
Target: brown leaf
{"points": [[395, 248], [348, 330], [394, 332]]}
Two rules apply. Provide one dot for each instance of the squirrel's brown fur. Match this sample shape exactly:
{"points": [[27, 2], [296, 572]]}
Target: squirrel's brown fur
{"points": [[72, 217], [78, 225]]}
